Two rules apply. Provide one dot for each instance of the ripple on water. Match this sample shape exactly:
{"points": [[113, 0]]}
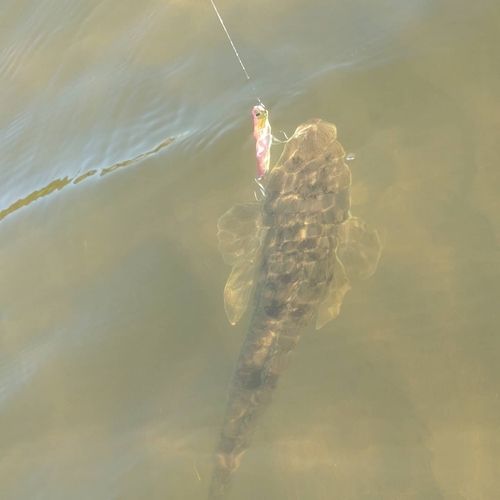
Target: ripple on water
{"points": [[86, 94]]}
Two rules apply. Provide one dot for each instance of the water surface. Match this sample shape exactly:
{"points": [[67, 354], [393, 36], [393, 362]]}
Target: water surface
{"points": [[125, 132]]}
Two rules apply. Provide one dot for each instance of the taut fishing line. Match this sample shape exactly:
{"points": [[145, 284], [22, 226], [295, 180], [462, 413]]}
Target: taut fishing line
{"points": [[233, 46]]}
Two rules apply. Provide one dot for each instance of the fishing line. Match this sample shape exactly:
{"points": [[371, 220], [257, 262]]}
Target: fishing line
{"points": [[234, 48], [230, 41]]}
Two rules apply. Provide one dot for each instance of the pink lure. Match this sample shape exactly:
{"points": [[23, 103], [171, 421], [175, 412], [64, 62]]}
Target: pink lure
{"points": [[262, 134]]}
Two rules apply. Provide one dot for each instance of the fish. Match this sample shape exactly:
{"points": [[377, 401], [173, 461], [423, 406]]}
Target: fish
{"points": [[297, 250], [263, 138]]}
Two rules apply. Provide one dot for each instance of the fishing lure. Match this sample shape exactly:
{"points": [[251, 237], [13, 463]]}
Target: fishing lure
{"points": [[263, 138], [261, 126]]}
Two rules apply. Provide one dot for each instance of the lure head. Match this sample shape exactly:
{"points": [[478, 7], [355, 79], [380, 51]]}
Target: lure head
{"points": [[259, 114]]}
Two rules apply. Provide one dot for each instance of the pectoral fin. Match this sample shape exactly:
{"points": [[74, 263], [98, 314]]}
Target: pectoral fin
{"points": [[240, 241], [359, 248], [329, 308], [355, 257], [237, 291]]}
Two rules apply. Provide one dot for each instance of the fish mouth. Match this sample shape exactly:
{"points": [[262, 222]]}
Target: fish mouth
{"points": [[314, 126], [302, 130]]}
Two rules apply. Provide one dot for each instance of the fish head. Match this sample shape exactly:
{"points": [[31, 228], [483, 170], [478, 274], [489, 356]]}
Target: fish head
{"points": [[311, 166], [311, 139]]}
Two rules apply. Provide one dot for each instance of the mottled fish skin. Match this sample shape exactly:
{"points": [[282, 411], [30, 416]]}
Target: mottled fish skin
{"points": [[307, 199]]}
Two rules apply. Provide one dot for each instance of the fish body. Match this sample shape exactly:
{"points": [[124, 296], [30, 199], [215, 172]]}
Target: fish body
{"points": [[263, 138], [290, 248]]}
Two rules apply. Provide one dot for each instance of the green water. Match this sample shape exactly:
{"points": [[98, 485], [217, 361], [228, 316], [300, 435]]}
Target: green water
{"points": [[125, 132]]}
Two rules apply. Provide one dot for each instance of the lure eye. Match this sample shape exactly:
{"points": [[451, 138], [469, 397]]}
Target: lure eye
{"points": [[257, 114]]}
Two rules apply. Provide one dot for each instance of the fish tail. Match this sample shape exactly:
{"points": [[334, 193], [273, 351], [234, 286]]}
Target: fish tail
{"points": [[245, 405], [250, 394]]}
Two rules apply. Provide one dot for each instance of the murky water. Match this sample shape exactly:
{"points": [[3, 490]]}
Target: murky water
{"points": [[125, 132]]}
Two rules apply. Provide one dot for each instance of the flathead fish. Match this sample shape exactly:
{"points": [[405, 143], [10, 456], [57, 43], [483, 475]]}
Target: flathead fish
{"points": [[298, 248]]}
